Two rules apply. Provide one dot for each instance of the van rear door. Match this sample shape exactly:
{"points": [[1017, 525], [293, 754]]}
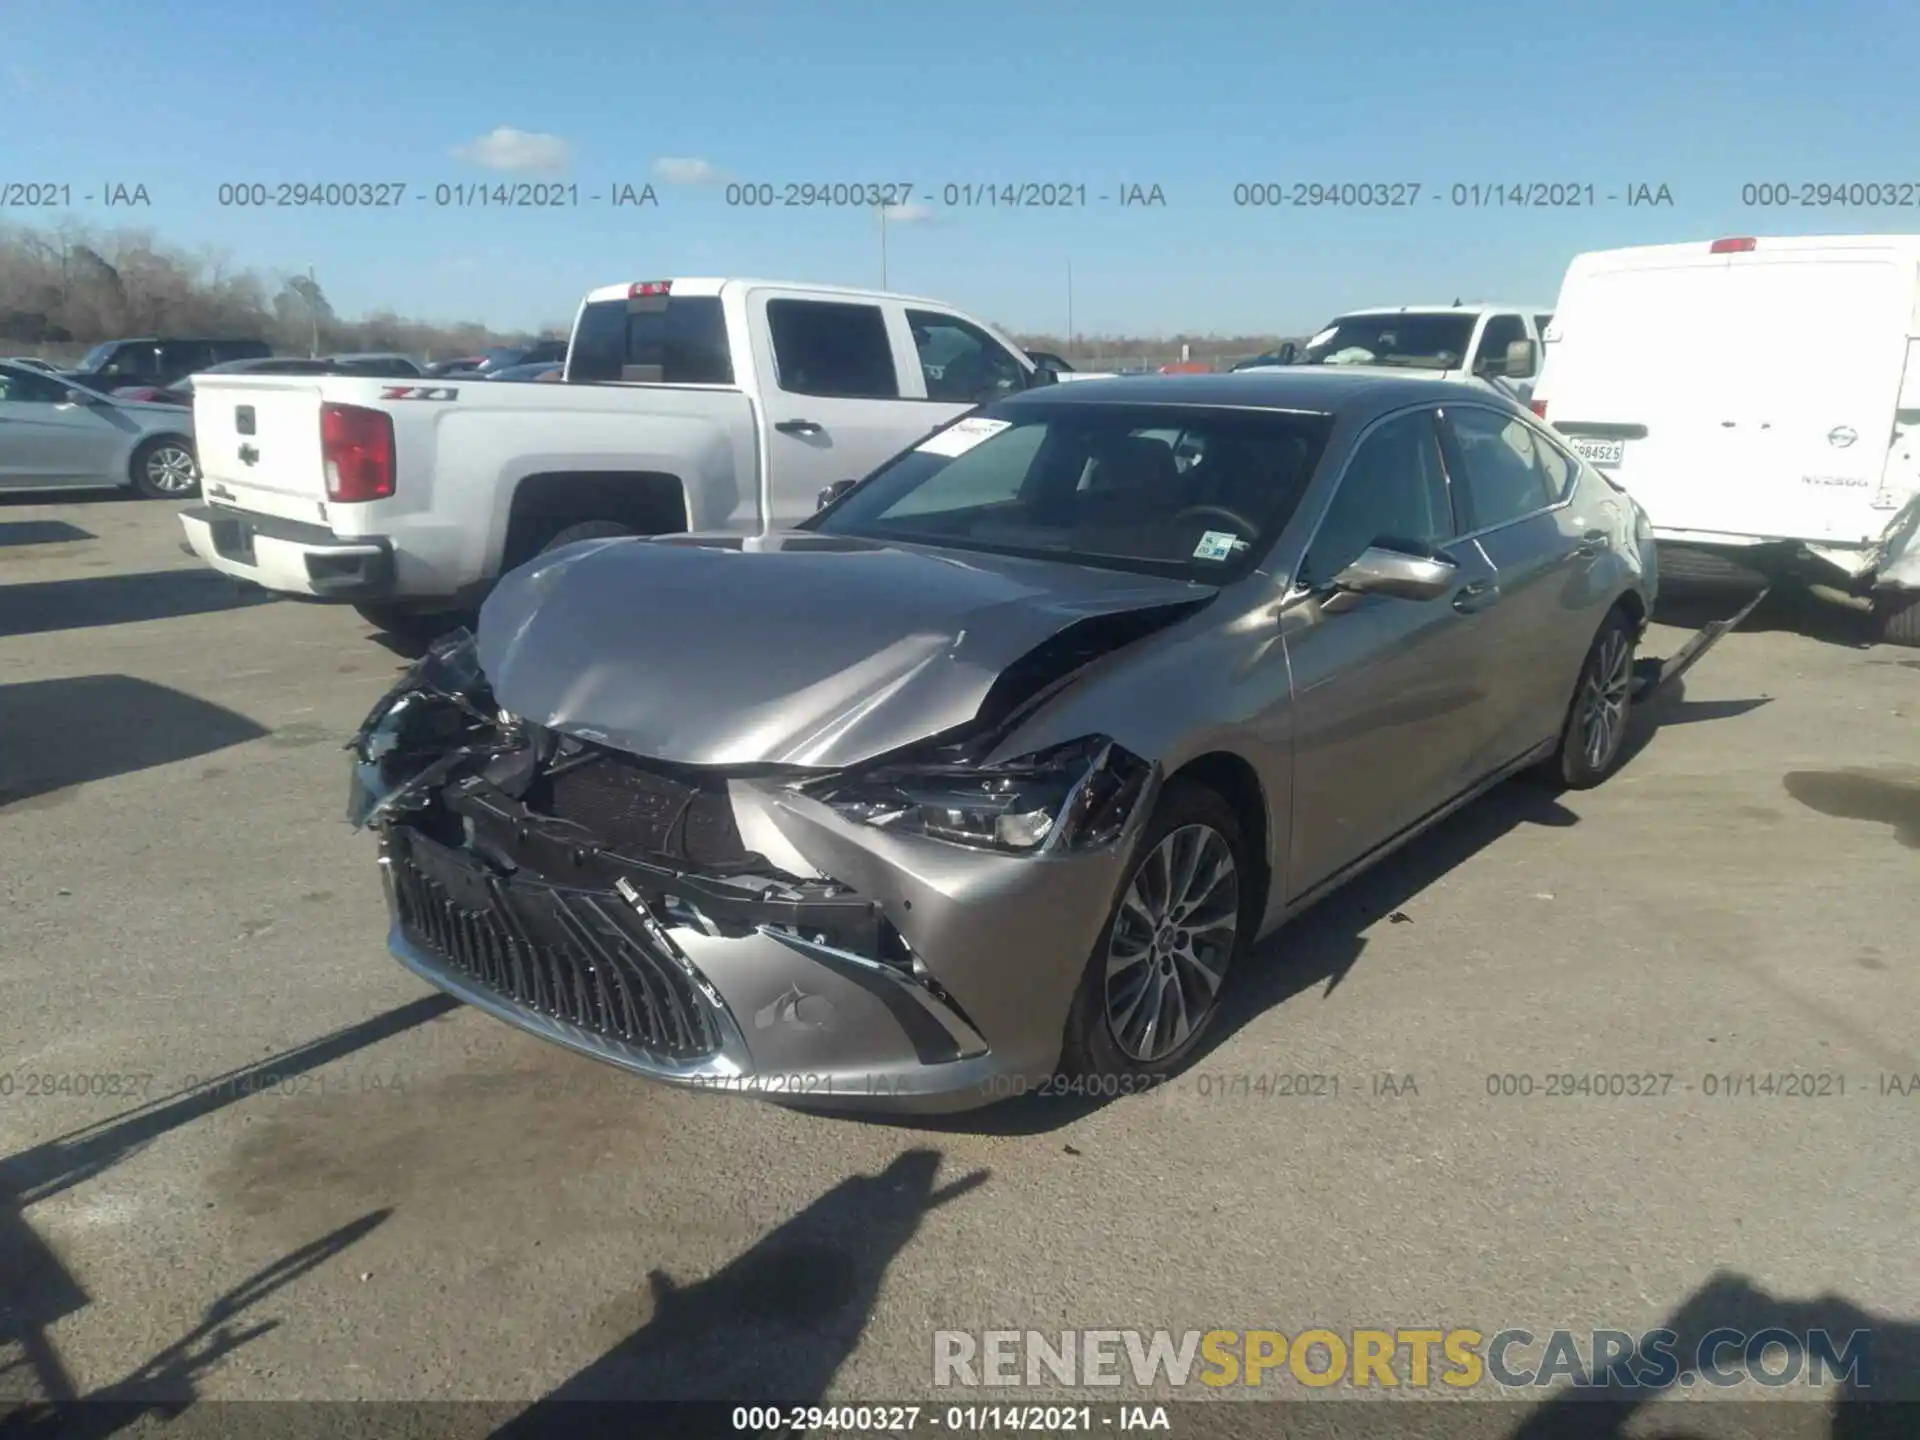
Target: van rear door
{"points": [[1817, 344], [1634, 381]]}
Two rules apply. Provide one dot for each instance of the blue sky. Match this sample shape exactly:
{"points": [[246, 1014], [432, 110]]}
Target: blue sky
{"points": [[1194, 98]]}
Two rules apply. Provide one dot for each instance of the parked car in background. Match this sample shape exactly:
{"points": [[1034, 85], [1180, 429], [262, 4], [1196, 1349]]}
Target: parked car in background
{"points": [[1793, 450], [156, 362], [458, 366], [181, 391], [1187, 367], [54, 433], [34, 362], [507, 357], [999, 765], [723, 404], [1495, 345], [547, 369]]}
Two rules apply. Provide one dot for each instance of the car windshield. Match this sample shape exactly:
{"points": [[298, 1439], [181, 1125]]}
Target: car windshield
{"points": [[97, 356], [1194, 492], [1420, 342]]}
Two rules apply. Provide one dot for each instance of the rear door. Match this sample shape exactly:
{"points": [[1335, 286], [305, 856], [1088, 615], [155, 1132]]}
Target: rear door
{"points": [[1637, 378], [1821, 341], [1516, 496], [833, 402], [258, 441]]}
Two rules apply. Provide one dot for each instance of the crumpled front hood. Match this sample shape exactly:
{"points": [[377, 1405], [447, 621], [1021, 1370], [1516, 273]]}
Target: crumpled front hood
{"points": [[791, 649]]}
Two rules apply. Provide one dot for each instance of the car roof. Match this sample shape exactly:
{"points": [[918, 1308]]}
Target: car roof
{"points": [[1360, 390]]}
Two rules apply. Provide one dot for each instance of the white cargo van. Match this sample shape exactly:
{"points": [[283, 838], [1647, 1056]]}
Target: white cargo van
{"points": [[1760, 398]]}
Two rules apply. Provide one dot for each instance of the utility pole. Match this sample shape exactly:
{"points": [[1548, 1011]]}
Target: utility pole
{"points": [[1070, 349], [313, 315], [883, 247]]}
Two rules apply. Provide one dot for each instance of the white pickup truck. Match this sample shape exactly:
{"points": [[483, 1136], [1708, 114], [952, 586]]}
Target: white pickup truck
{"points": [[1499, 345], [690, 404]]}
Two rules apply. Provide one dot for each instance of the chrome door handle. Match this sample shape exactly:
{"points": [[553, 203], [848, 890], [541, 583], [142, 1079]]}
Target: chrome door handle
{"points": [[1591, 544], [797, 427], [1476, 596]]}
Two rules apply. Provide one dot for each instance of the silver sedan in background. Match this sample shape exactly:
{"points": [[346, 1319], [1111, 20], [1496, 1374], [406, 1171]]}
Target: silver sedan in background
{"points": [[998, 766], [53, 434]]}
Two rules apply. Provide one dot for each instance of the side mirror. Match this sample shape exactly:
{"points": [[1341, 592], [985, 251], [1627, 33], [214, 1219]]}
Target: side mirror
{"points": [[1382, 570], [1523, 358], [1287, 353], [832, 493], [1042, 375]]}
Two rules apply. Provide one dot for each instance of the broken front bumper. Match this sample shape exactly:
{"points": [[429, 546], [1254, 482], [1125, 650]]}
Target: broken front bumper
{"points": [[921, 976]]}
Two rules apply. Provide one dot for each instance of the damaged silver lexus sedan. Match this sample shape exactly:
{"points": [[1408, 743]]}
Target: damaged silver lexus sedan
{"points": [[995, 768]]}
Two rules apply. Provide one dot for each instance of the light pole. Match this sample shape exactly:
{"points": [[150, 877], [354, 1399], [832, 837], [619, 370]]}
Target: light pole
{"points": [[313, 315], [883, 247], [1069, 307]]}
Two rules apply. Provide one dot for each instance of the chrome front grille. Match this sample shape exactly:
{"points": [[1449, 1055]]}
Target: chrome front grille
{"points": [[568, 955]]}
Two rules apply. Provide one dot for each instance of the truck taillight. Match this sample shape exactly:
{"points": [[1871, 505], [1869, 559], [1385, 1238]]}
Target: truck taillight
{"points": [[1539, 407], [356, 449], [647, 288]]}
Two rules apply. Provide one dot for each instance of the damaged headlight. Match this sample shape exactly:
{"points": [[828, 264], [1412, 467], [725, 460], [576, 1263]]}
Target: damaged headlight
{"points": [[419, 729], [1072, 796]]}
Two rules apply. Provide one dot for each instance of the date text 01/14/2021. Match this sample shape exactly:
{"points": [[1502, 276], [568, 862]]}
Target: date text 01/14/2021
{"points": [[952, 195]]}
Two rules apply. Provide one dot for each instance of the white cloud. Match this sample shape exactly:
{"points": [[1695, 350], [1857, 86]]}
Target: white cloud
{"points": [[510, 149], [685, 170], [907, 214]]}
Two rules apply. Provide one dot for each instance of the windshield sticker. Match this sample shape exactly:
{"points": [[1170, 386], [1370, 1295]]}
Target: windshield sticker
{"points": [[1218, 545], [962, 437]]}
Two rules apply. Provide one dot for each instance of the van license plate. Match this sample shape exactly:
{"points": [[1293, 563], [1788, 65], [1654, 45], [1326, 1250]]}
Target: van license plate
{"points": [[1599, 452]]}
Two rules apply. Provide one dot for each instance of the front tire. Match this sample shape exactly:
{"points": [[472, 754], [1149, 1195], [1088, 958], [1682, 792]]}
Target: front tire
{"points": [[586, 530], [1180, 922], [164, 468], [1595, 733]]}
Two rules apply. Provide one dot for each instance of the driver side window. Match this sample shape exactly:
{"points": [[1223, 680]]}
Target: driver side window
{"points": [[963, 364], [19, 388], [1394, 492]]}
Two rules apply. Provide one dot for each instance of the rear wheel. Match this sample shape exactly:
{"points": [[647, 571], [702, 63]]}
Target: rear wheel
{"points": [[1898, 612], [1595, 732], [163, 468], [1153, 982]]}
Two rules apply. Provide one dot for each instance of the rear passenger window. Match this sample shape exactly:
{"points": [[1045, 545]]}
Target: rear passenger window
{"points": [[677, 340], [1559, 469], [832, 348], [1498, 466]]}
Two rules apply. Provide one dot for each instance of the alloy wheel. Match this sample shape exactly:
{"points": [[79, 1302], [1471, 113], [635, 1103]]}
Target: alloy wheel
{"points": [[1603, 699], [171, 471], [1171, 942]]}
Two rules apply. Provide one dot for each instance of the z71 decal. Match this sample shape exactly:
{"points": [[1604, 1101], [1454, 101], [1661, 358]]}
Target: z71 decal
{"points": [[420, 392]]}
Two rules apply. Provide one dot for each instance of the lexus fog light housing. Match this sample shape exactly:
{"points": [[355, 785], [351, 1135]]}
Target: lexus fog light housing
{"points": [[1072, 796], [433, 715]]}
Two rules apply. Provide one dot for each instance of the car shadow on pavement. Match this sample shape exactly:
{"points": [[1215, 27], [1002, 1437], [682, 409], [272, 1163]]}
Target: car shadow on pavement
{"points": [[1785, 609], [36, 1289], [1880, 1400], [777, 1323], [37, 607], [41, 532], [55, 734]]}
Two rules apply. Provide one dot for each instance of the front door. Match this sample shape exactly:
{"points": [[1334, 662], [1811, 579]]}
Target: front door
{"points": [[834, 408], [1389, 695], [47, 440]]}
